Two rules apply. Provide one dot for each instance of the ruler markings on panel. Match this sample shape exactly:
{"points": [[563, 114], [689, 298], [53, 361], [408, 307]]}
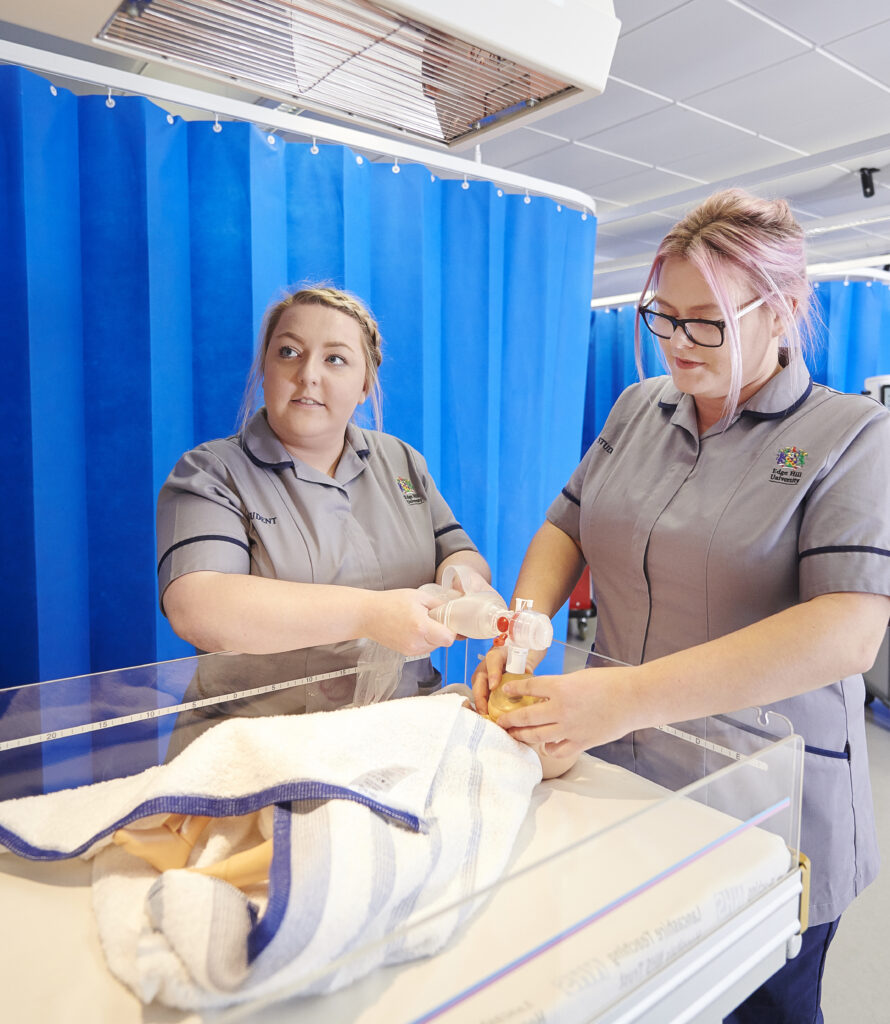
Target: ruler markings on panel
{"points": [[191, 705], [710, 745]]}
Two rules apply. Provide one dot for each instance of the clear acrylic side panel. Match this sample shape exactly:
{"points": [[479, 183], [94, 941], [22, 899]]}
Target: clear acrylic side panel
{"points": [[724, 750], [82, 729], [71, 732], [614, 874], [612, 879]]}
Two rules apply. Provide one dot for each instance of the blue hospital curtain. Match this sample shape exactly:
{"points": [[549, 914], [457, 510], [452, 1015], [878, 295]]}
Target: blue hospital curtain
{"points": [[853, 334], [139, 253]]}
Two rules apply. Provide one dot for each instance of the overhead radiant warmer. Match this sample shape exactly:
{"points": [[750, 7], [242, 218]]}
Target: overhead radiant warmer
{"points": [[444, 72]]}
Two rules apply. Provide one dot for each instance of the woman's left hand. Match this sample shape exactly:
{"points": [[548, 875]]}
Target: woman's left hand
{"points": [[579, 710]]}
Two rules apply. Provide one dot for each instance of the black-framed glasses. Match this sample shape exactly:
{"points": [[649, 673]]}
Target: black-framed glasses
{"points": [[707, 333]]}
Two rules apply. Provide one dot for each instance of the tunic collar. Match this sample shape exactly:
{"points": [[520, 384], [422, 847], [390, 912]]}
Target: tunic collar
{"points": [[778, 398], [262, 447], [782, 394]]}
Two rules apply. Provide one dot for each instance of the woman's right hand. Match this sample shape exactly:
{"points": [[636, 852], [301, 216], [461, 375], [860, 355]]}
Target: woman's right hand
{"points": [[400, 620], [487, 676]]}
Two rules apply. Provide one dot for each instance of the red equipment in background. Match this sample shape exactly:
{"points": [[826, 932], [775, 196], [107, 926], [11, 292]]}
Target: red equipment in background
{"points": [[581, 607]]}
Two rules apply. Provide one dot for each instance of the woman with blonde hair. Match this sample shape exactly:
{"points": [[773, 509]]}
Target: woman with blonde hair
{"points": [[304, 529], [736, 520]]}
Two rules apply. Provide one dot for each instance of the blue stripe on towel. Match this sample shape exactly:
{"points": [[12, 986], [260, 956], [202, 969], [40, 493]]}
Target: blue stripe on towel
{"points": [[215, 807], [266, 928]]}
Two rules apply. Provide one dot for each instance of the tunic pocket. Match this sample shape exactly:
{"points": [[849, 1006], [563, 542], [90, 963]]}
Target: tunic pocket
{"points": [[828, 830]]}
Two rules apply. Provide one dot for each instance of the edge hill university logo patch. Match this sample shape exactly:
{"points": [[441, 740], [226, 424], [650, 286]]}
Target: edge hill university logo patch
{"points": [[789, 465], [408, 492]]}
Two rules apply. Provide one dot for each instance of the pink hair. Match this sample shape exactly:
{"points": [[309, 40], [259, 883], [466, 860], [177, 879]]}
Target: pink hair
{"points": [[745, 248]]}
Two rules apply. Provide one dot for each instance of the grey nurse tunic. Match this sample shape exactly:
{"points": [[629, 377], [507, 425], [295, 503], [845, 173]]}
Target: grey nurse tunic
{"points": [[243, 504], [689, 538]]}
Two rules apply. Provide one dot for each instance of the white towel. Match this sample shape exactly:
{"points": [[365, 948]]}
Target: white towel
{"points": [[383, 816]]}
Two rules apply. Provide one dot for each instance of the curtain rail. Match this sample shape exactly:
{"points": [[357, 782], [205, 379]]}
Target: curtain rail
{"points": [[211, 103]]}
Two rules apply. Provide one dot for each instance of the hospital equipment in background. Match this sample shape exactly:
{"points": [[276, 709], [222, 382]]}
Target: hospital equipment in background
{"points": [[581, 606], [877, 678], [879, 388]]}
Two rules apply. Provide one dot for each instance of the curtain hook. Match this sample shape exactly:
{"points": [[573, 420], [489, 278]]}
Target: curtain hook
{"points": [[109, 102], [528, 198], [465, 184], [313, 149], [395, 165], [217, 127], [846, 282]]}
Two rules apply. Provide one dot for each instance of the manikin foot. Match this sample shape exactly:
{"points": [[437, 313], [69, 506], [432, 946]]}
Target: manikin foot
{"points": [[165, 842]]}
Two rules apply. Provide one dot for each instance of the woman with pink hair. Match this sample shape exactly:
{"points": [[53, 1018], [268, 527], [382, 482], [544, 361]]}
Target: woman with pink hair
{"points": [[735, 519]]}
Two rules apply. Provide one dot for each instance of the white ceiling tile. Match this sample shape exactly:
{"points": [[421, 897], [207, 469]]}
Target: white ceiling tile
{"points": [[663, 136], [604, 206], [867, 50], [637, 187], [520, 144], [634, 13], [622, 282], [824, 20], [828, 192], [686, 52], [809, 102], [617, 248], [880, 159], [850, 245], [733, 159], [879, 233], [649, 228], [843, 197], [575, 166], [872, 223], [616, 104], [808, 192]]}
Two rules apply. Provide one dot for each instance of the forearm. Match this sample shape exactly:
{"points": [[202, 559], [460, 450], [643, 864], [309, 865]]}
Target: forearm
{"points": [[218, 611], [550, 569], [471, 559], [802, 648]]}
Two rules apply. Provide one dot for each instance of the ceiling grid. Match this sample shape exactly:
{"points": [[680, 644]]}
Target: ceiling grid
{"points": [[783, 97]]}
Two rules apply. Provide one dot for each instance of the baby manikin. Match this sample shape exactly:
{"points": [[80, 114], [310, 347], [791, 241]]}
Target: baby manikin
{"points": [[166, 842]]}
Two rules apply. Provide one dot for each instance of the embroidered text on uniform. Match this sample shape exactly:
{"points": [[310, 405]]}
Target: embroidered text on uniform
{"points": [[789, 462], [271, 520], [604, 444]]}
